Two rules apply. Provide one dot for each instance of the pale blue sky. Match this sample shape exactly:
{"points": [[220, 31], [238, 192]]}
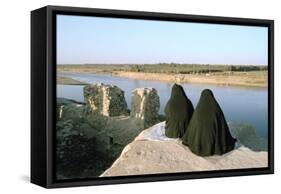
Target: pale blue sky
{"points": [[90, 40]]}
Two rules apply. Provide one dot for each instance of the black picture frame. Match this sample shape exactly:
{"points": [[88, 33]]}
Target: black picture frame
{"points": [[43, 95]]}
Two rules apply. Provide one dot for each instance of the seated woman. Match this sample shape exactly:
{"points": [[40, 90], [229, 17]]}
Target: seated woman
{"points": [[178, 112], [208, 133]]}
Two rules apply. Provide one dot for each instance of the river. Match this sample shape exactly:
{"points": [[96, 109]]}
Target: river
{"points": [[247, 105]]}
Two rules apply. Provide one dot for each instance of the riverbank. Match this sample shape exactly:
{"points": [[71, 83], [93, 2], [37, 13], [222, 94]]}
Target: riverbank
{"points": [[245, 79], [68, 81]]}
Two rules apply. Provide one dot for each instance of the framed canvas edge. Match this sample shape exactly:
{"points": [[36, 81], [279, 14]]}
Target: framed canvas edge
{"points": [[51, 96]]}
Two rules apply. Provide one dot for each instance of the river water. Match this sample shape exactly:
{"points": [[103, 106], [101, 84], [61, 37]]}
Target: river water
{"points": [[247, 105]]}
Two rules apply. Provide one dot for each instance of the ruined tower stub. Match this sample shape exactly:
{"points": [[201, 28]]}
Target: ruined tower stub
{"points": [[106, 100], [145, 105]]}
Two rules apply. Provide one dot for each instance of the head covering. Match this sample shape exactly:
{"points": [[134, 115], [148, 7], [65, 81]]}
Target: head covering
{"points": [[178, 112], [208, 133]]}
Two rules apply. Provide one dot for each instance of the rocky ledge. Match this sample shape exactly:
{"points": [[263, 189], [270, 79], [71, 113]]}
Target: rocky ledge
{"points": [[152, 152], [90, 135]]}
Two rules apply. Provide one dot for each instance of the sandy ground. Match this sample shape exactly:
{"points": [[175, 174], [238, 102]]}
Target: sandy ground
{"points": [[248, 79], [152, 152], [69, 81]]}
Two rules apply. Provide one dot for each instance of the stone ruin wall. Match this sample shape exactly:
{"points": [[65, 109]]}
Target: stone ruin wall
{"points": [[109, 100], [145, 105], [106, 100]]}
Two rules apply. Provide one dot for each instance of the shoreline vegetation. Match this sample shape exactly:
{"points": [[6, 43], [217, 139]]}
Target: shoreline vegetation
{"points": [[233, 75]]}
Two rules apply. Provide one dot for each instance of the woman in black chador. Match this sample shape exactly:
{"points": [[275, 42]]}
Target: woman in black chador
{"points": [[178, 112], [208, 133]]}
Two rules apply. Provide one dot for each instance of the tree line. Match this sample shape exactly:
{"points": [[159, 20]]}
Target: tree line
{"points": [[169, 68]]}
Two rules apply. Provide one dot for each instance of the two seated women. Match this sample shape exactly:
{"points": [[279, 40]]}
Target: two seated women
{"points": [[203, 129]]}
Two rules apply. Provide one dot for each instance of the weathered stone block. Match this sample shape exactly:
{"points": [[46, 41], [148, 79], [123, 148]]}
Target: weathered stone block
{"points": [[107, 100], [145, 105]]}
